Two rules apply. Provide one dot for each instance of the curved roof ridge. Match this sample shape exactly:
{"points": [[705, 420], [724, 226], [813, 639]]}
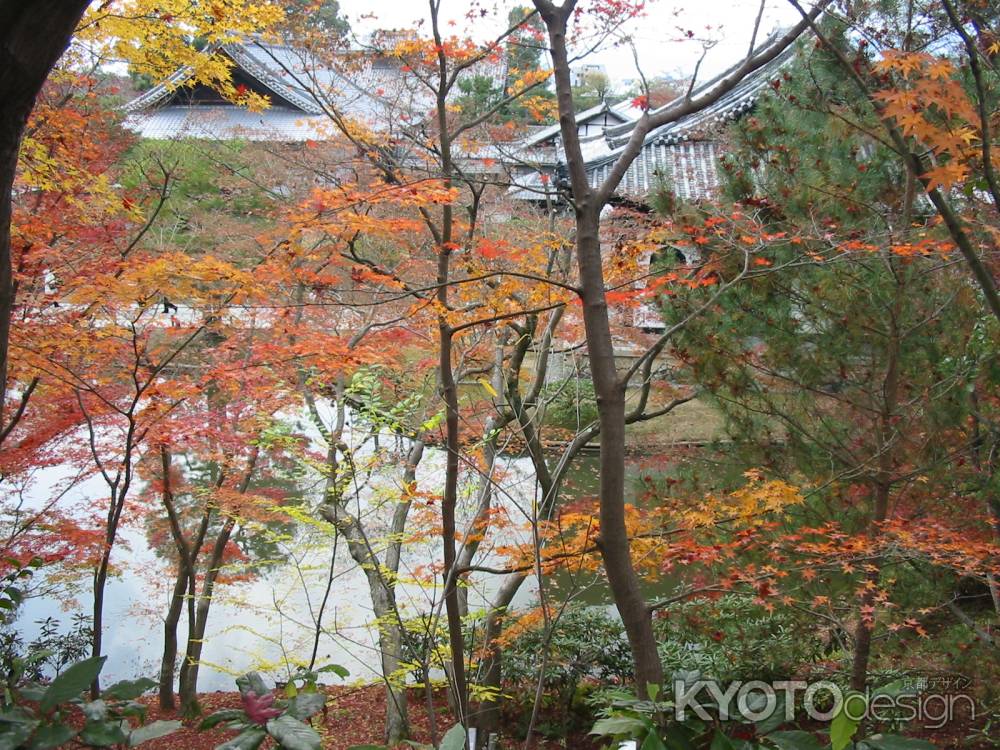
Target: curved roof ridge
{"points": [[242, 55], [165, 87], [748, 87]]}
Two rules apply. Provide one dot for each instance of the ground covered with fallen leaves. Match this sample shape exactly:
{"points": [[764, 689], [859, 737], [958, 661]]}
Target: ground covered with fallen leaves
{"points": [[353, 716]]}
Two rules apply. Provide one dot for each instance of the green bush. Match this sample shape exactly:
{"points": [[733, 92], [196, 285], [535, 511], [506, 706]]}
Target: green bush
{"points": [[571, 403], [587, 646], [731, 638], [44, 715], [586, 642]]}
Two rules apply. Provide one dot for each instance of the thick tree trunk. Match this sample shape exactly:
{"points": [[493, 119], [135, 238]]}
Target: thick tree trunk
{"points": [[32, 38], [614, 542]]}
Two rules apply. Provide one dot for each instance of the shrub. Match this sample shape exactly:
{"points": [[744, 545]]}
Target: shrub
{"points": [[731, 638]]}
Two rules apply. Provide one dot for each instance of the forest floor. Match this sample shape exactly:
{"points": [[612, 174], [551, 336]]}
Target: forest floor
{"points": [[355, 715]]}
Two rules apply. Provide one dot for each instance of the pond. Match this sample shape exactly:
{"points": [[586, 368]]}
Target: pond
{"points": [[269, 621]]}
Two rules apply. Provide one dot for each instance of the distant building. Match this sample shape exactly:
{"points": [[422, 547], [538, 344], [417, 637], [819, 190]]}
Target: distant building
{"points": [[580, 73], [682, 156], [376, 90], [363, 85]]}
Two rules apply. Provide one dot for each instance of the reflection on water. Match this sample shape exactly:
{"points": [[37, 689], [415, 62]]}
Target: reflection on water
{"points": [[269, 623]]}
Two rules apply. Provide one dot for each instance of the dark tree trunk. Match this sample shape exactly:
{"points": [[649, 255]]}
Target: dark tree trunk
{"points": [[33, 35], [487, 713], [609, 387], [168, 663], [614, 542]]}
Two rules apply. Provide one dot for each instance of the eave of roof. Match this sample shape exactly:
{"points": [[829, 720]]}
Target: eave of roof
{"points": [[242, 56], [728, 107], [552, 131]]}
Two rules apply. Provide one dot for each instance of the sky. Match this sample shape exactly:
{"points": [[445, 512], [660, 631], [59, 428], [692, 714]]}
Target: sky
{"points": [[727, 22]]}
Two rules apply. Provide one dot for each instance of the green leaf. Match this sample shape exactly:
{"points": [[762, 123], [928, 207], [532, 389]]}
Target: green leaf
{"points": [[292, 734], [103, 734], [37, 656], [619, 726], [15, 734], [652, 742], [128, 690], [795, 739], [895, 742], [17, 715], [152, 730], [251, 681], [72, 682], [721, 742], [678, 737], [226, 714], [843, 727], [454, 739], [133, 708], [52, 735], [336, 669], [249, 739], [305, 705], [777, 717], [894, 689], [32, 692]]}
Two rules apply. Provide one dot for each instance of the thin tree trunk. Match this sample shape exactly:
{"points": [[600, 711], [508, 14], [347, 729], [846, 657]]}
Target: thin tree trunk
{"points": [[397, 723], [613, 542], [198, 615], [885, 436], [188, 688], [119, 491], [185, 587], [381, 585], [487, 714]]}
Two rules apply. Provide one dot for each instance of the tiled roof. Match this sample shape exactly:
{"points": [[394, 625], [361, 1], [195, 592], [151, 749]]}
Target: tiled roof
{"points": [[301, 86], [227, 123], [728, 107], [375, 91], [689, 168], [552, 131], [681, 155]]}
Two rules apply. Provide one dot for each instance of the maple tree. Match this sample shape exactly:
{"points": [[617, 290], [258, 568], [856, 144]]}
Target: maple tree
{"points": [[62, 165], [392, 306]]}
